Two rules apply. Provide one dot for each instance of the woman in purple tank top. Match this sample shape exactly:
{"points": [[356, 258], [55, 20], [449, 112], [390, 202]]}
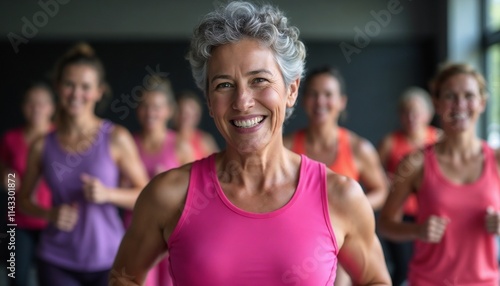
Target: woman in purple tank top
{"points": [[81, 162], [255, 213]]}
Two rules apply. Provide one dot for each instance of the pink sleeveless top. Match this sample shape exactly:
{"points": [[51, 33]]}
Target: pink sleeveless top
{"points": [[466, 254], [14, 154], [217, 243], [156, 163], [162, 161]]}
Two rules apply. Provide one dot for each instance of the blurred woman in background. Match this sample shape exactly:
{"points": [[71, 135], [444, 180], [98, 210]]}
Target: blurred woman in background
{"points": [[193, 144], [37, 109], [457, 184], [343, 151], [158, 150], [415, 114], [81, 161]]}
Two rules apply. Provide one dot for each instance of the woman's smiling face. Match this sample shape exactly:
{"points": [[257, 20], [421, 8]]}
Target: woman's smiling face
{"points": [[460, 103], [246, 94]]}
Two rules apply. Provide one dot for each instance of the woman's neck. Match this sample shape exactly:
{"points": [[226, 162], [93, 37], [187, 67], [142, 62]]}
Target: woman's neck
{"points": [[37, 127], [322, 135], [256, 170], [77, 124], [461, 144], [155, 134], [416, 136], [186, 133]]}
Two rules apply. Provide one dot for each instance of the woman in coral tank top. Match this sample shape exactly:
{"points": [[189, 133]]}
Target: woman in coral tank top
{"points": [[415, 114], [255, 213], [457, 184], [343, 151]]}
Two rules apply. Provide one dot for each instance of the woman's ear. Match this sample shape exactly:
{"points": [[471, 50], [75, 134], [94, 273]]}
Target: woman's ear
{"points": [[101, 89], [343, 102], [293, 91]]}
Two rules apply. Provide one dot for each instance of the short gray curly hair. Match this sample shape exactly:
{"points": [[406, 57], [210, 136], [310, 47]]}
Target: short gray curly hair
{"points": [[232, 22]]}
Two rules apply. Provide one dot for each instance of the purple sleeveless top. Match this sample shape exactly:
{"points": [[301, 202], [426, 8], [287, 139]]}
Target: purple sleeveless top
{"points": [[93, 243]]}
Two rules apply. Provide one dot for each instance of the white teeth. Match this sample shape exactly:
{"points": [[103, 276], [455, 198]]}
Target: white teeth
{"points": [[249, 122], [459, 116], [74, 103]]}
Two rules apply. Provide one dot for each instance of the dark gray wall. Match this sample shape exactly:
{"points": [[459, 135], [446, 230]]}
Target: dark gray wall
{"points": [[131, 35]]}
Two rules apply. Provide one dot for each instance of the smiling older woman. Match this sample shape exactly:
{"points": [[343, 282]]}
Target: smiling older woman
{"points": [[255, 213]]}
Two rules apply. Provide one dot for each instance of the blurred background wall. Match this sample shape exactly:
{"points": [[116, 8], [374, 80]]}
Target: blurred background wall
{"points": [[381, 47]]}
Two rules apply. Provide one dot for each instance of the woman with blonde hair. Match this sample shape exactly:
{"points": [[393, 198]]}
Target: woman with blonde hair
{"points": [[457, 185]]}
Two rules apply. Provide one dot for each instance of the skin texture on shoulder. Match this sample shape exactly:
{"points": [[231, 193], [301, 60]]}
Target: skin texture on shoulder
{"points": [[126, 156], [371, 173], [156, 214], [354, 225]]}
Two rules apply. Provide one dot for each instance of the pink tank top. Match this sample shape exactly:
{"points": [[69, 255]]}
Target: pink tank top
{"points": [[217, 243], [162, 161], [14, 154], [156, 163], [466, 254]]}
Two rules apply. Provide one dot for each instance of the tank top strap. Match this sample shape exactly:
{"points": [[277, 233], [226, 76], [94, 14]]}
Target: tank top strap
{"points": [[103, 137], [430, 160], [399, 140], [343, 140], [490, 163], [200, 191], [344, 163], [299, 142]]}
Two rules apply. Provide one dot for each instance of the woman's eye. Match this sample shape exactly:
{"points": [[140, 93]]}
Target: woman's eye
{"points": [[223, 85], [259, 80]]}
